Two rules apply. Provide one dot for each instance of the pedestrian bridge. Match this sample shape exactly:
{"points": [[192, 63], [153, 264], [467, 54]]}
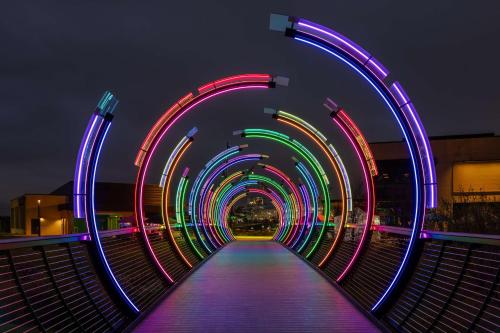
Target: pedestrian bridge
{"points": [[52, 284], [325, 269], [255, 286]]}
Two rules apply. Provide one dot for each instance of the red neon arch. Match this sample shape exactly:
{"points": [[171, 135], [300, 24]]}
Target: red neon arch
{"points": [[369, 167], [161, 127]]}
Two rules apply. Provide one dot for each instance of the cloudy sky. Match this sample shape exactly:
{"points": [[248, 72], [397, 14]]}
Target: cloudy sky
{"points": [[57, 58]]}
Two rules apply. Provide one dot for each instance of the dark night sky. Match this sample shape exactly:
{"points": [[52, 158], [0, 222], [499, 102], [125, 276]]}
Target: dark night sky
{"points": [[57, 58]]}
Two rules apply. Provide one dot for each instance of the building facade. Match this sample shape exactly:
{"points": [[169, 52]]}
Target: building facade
{"points": [[468, 180], [52, 214]]}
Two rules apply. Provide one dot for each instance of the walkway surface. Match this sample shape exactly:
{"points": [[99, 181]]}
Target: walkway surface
{"points": [[255, 286]]}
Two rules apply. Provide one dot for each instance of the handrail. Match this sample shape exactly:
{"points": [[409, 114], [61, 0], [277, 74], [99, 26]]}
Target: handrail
{"points": [[116, 232], [462, 237], [20, 242], [391, 229]]}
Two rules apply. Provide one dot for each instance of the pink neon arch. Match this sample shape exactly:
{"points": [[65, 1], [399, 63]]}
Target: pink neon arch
{"points": [[167, 120]]}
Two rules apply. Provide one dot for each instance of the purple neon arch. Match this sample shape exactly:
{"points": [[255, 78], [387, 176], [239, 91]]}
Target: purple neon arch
{"points": [[84, 184], [396, 99]]}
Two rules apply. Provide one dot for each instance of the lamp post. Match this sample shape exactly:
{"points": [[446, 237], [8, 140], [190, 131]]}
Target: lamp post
{"points": [[39, 219]]}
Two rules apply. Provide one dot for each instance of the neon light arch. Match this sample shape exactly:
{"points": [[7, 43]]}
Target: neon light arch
{"points": [[179, 211], [221, 185], [218, 202], [166, 175], [336, 162], [205, 220], [369, 167], [281, 175], [159, 130], [279, 206], [313, 192], [307, 212], [285, 231], [165, 181], [211, 177], [396, 99], [84, 199], [275, 201], [294, 204], [193, 196], [308, 156], [230, 190], [230, 205], [210, 202]]}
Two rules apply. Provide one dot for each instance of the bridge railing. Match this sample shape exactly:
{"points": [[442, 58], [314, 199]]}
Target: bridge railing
{"points": [[51, 283], [454, 284]]}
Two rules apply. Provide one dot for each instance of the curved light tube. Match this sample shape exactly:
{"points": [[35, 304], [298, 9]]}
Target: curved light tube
{"points": [[269, 195], [224, 227], [228, 207], [313, 191], [165, 182], [179, 210], [219, 202], [224, 204], [291, 204], [311, 160], [335, 161], [210, 178], [280, 207], [217, 231], [168, 119], [217, 240], [322, 141], [283, 177], [229, 192], [307, 213], [87, 161], [180, 215], [401, 107], [369, 167], [106, 105], [288, 205], [194, 194], [222, 184], [275, 201], [222, 192]]}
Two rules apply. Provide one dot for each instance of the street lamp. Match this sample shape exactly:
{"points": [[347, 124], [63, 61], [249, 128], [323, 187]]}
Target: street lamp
{"points": [[38, 217]]}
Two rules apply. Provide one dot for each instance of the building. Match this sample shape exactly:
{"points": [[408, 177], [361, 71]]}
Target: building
{"points": [[4, 225], [468, 179], [52, 213], [254, 216]]}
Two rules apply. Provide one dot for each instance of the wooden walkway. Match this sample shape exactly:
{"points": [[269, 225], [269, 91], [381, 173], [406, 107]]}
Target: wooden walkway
{"points": [[255, 286]]}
